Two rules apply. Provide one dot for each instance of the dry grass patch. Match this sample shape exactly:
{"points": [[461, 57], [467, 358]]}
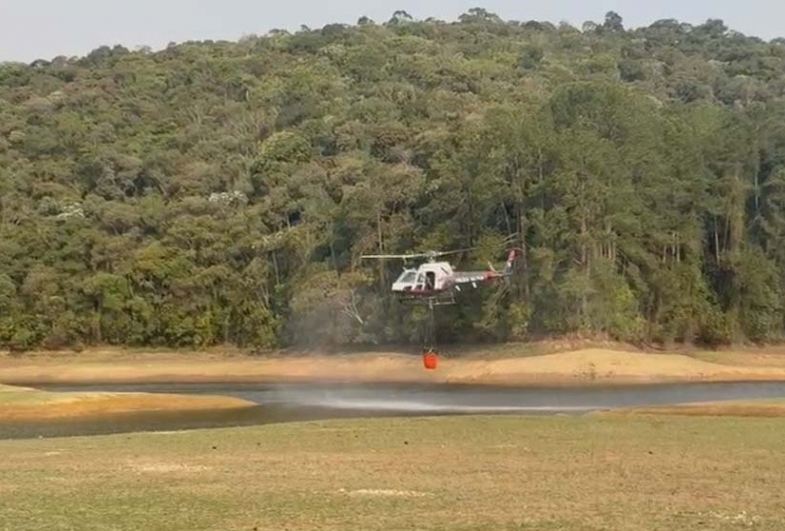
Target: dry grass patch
{"points": [[17, 403], [743, 408], [468, 473]]}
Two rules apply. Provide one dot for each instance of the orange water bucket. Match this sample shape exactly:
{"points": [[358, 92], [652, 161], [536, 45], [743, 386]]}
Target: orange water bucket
{"points": [[430, 360]]}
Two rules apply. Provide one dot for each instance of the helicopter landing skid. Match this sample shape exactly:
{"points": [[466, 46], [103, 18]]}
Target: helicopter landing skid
{"points": [[431, 301]]}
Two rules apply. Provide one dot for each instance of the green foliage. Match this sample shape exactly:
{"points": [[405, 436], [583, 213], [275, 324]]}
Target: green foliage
{"points": [[761, 309], [223, 192]]}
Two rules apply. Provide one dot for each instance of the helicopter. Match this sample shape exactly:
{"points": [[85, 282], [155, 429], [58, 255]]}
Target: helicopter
{"points": [[436, 282]]}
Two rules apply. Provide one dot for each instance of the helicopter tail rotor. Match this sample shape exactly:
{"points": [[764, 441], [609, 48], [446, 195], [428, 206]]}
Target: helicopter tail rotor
{"points": [[512, 257]]}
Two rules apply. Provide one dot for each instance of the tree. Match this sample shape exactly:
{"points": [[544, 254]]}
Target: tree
{"points": [[613, 22], [400, 17], [220, 192], [478, 14]]}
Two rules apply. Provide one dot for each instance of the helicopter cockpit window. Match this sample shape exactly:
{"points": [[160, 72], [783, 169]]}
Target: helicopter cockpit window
{"points": [[407, 277]]}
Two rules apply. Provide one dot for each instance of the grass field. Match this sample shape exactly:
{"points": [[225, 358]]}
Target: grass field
{"points": [[469, 473]]}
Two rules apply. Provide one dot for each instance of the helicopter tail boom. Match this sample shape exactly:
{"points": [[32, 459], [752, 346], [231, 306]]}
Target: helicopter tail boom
{"points": [[512, 257]]}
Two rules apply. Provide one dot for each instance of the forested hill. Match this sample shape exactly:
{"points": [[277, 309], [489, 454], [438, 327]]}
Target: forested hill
{"points": [[223, 192]]}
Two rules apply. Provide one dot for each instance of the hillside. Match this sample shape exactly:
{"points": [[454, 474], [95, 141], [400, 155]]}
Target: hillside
{"points": [[222, 192]]}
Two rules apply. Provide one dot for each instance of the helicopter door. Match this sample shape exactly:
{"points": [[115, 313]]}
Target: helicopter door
{"points": [[430, 281]]}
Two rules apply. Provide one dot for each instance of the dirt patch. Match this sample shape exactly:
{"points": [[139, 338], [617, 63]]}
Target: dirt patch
{"points": [[164, 468], [386, 493], [738, 519]]}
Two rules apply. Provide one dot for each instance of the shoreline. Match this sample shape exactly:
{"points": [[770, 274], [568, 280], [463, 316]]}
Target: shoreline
{"points": [[530, 381], [576, 368], [586, 368]]}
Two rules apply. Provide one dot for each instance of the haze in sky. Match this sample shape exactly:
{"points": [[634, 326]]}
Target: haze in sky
{"points": [[44, 29]]}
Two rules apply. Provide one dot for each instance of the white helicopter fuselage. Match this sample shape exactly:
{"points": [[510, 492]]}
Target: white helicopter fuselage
{"points": [[430, 277], [438, 281]]}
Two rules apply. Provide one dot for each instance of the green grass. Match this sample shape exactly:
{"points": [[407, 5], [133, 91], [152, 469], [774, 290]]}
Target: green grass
{"points": [[469, 473]]}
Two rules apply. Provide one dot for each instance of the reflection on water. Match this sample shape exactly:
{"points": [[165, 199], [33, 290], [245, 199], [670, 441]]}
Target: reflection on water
{"points": [[131, 422], [300, 402]]}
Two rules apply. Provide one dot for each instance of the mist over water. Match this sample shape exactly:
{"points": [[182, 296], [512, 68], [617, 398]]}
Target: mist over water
{"points": [[459, 398], [409, 400], [425, 407]]}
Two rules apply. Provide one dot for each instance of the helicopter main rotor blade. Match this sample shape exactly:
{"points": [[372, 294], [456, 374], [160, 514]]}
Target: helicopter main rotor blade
{"points": [[392, 256], [427, 254], [447, 253]]}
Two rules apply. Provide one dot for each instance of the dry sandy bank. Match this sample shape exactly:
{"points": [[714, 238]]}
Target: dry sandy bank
{"points": [[19, 403], [579, 367]]}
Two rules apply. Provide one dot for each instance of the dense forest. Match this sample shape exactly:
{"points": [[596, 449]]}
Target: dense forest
{"points": [[223, 192]]}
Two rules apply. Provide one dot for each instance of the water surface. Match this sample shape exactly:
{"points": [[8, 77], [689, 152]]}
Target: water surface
{"points": [[297, 402]]}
